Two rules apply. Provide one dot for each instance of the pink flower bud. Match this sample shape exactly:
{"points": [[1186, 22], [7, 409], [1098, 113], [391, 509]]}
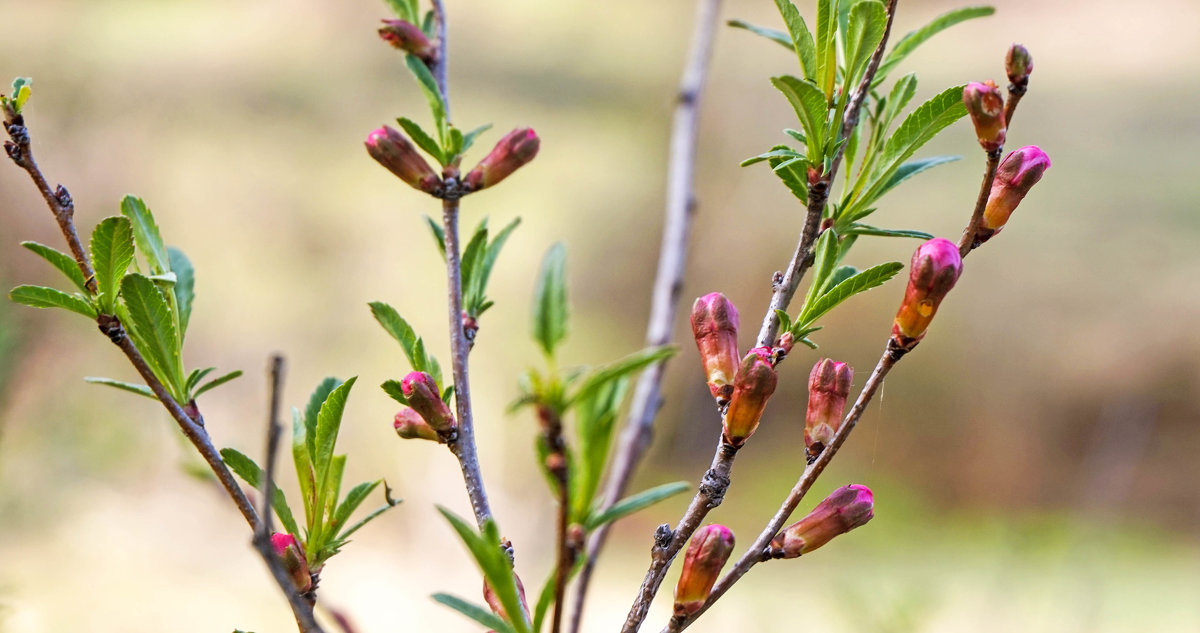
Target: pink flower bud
{"points": [[715, 326], [493, 601], [828, 386], [292, 555], [752, 387], [1016, 175], [390, 149], [986, 107], [934, 269], [411, 426], [407, 37], [847, 508], [1018, 63], [710, 547], [423, 395], [515, 149]]}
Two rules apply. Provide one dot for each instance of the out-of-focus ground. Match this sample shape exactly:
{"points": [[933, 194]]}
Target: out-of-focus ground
{"points": [[1034, 461]]}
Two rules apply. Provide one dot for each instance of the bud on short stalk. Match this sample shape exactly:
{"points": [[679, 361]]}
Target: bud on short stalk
{"points": [[847, 508], [752, 387], [935, 268], [986, 107], [292, 556], [411, 426], [828, 387], [1018, 63], [390, 149], [1017, 174], [407, 37], [715, 327], [515, 149], [423, 396], [710, 547]]}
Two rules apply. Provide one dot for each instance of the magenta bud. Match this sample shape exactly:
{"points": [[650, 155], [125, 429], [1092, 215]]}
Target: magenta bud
{"points": [[423, 396], [935, 268], [847, 508], [1018, 63], [828, 387], [710, 547], [1016, 175], [407, 37], [411, 426], [390, 149], [515, 149], [715, 327], [752, 387], [986, 107], [292, 555]]}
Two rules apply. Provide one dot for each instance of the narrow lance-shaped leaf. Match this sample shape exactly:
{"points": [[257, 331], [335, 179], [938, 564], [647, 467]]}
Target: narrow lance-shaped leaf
{"points": [[496, 568], [42, 297], [867, 279], [867, 21], [329, 422], [217, 382], [63, 262], [863, 229], [550, 300], [250, 472], [826, 42], [801, 38], [154, 325], [439, 235], [911, 41], [145, 232], [112, 252], [185, 286], [432, 94], [824, 260], [636, 502], [777, 36], [809, 103], [302, 458], [470, 137], [141, 390], [353, 499], [474, 611], [620, 368], [422, 139]]}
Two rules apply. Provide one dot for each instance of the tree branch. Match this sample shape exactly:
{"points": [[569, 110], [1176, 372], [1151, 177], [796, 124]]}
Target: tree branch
{"points": [[969, 240], [441, 66]]}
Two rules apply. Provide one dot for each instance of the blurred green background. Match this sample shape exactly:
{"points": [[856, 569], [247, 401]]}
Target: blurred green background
{"points": [[1034, 461]]}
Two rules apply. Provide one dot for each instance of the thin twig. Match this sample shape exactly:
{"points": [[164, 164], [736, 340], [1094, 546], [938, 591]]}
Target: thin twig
{"points": [[969, 239], [1015, 92], [441, 66], [668, 284], [301, 607], [557, 464]]}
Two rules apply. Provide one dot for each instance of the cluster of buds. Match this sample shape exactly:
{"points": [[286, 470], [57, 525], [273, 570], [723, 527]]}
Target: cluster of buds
{"points": [[390, 149], [715, 327], [517, 148], [288, 549], [935, 268], [1016, 175], [752, 387], [424, 397], [847, 508], [409, 38], [986, 107], [1018, 63], [828, 387], [710, 547]]}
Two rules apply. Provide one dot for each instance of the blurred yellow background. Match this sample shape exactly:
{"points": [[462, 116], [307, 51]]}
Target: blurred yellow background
{"points": [[1034, 461]]}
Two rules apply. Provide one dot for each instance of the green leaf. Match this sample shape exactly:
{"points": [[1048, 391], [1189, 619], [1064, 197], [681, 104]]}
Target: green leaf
{"points": [[595, 420], [185, 286], [785, 320], [302, 458], [497, 569], [217, 382], [546, 597], [196, 376], [413, 346], [824, 259], [779, 37], [454, 143], [489, 261], [901, 94], [329, 422], [911, 41], [826, 43], [313, 410], [389, 503], [422, 139], [439, 235], [474, 611], [863, 229], [432, 94], [801, 38], [794, 176], [250, 472], [867, 279], [141, 390], [63, 262], [841, 274], [783, 152], [868, 19], [145, 232], [809, 103], [353, 499], [393, 389], [472, 263], [403, 10], [21, 90], [152, 323], [469, 137], [633, 503], [912, 168], [550, 300], [112, 252], [620, 368], [42, 297]]}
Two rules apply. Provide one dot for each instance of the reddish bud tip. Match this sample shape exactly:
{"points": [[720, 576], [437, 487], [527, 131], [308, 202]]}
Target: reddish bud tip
{"points": [[288, 549], [411, 426], [986, 107], [752, 387], [847, 508], [828, 387], [423, 396], [935, 268], [1016, 175], [390, 149], [407, 37], [715, 327], [515, 149], [710, 547], [1018, 63]]}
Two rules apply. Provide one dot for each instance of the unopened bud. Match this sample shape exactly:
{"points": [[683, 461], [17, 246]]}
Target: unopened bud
{"points": [[715, 326], [515, 149], [411, 426], [986, 107], [786, 343], [1016, 175], [710, 547], [752, 387], [390, 149], [407, 37], [423, 396], [935, 268], [847, 508], [1018, 63], [828, 387], [493, 601], [292, 556]]}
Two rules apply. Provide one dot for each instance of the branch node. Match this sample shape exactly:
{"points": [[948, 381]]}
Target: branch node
{"points": [[663, 535]]}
